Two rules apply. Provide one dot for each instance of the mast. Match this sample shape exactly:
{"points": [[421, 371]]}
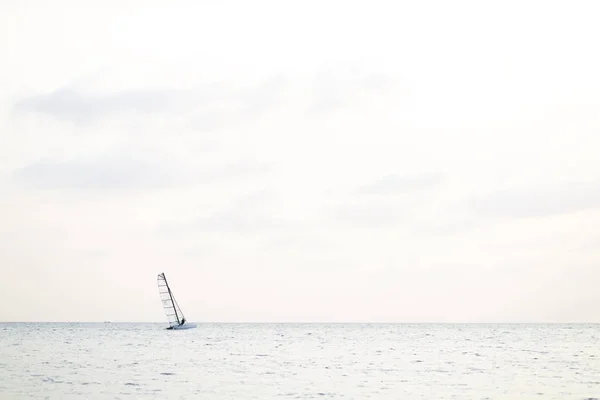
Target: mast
{"points": [[171, 296]]}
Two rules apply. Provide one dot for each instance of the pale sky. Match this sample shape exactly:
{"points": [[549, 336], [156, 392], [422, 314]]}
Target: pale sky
{"points": [[384, 161]]}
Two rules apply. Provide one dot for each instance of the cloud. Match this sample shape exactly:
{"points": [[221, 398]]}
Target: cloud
{"points": [[372, 215], [592, 243], [130, 173], [207, 107], [446, 225], [328, 96], [261, 98], [72, 105], [231, 222], [239, 106], [333, 90], [215, 103], [300, 240], [397, 184], [361, 209], [540, 202], [248, 214], [377, 82]]}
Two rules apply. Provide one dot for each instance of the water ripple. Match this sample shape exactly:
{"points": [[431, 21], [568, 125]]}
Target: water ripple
{"points": [[305, 361]]}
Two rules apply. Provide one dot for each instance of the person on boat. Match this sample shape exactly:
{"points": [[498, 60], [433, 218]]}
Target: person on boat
{"points": [[182, 321]]}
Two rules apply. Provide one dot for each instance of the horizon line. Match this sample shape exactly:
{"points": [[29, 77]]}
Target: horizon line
{"points": [[317, 322]]}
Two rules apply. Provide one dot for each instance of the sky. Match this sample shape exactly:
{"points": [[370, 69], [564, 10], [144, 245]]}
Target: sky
{"points": [[314, 161]]}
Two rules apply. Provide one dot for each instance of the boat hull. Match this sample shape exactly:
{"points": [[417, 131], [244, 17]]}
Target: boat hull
{"points": [[187, 325]]}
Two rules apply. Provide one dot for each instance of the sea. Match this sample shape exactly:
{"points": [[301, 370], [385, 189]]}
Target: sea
{"points": [[299, 361]]}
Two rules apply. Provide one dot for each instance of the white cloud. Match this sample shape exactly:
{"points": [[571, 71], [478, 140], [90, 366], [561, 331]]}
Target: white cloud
{"points": [[126, 173], [69, 104], [534, 201], [394, 184]]}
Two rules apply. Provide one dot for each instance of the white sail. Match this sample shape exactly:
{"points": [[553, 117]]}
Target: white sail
{"points": [[173, 312]]}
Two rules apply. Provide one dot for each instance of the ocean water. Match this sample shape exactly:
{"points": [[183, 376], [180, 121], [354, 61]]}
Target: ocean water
{"points": [[299, 361]]}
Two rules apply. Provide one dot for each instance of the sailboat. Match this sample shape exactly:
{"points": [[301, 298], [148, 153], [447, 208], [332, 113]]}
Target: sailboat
{"points": [[172, 310]]}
